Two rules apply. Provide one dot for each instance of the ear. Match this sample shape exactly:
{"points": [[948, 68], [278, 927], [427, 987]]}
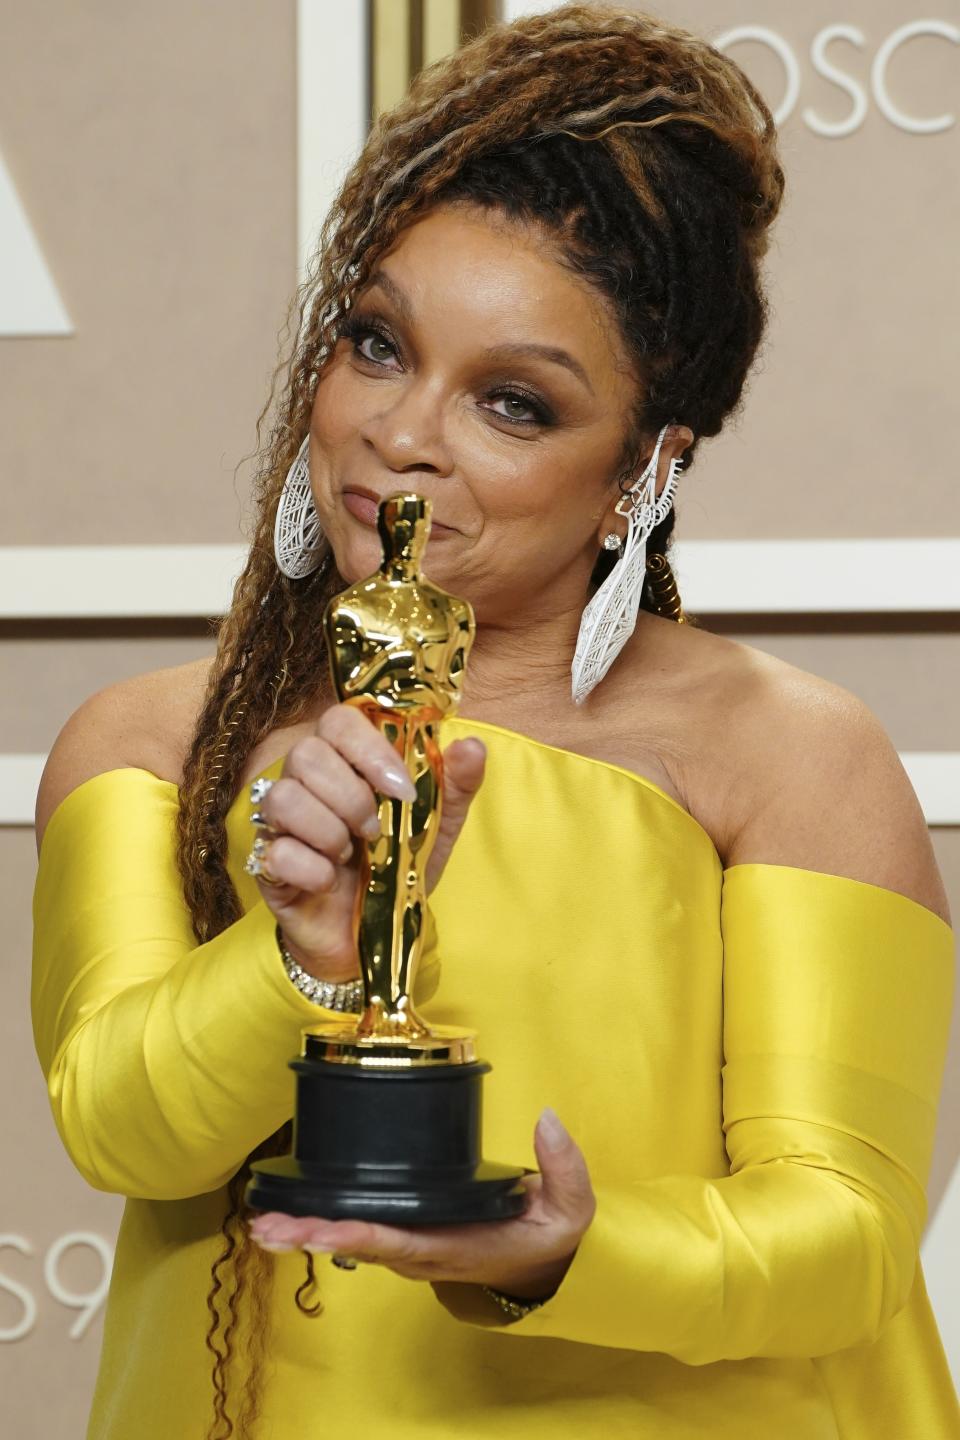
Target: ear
{"points": [[677, 439]]}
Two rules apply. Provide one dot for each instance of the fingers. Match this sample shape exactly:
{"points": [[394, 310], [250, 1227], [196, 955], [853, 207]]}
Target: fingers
{"points": [[329, 792], [292, 810], [320, 802], [361, 744], [290, 862], [313, 771], [308, 838], [464, 763], [427, 1247], [565, 1187], [373, 1244]]}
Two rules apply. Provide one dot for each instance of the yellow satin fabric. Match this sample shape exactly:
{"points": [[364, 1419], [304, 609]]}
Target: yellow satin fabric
{"points": [[750, 1059]]}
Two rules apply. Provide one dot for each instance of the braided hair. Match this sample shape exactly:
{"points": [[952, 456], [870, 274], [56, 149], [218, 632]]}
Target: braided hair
{"points": [[651, 159]]}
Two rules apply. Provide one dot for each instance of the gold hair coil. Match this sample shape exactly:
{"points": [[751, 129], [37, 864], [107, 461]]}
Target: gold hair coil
{"points": [[216, 769], [664, 594], [218, 761]]}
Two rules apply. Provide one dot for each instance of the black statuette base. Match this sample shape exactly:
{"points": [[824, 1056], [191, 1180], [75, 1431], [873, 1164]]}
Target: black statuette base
{"points": [[395, 1146]]}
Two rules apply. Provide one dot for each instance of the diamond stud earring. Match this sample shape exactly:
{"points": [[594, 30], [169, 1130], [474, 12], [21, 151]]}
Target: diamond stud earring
{"points": [[612, 541]]}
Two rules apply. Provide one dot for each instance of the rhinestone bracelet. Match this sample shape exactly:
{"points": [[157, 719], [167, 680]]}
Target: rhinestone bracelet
{"points": [[511, 1306], [346, 996]]}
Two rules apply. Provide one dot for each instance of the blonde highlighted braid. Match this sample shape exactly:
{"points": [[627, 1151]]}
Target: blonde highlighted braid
{"points": [[650, 160]]}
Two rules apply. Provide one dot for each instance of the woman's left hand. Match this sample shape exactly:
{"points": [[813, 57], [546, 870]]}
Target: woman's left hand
{"points": [[527, 1257]]}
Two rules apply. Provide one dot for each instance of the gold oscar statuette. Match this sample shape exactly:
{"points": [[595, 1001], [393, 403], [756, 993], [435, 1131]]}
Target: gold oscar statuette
{"points": [[388, 1109]]}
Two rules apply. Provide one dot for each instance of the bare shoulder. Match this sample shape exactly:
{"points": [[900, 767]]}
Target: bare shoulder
{"points": [[144, 722], [816, 782]]}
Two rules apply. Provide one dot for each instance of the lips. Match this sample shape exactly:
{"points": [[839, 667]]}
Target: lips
{"points": [[362, 505]]}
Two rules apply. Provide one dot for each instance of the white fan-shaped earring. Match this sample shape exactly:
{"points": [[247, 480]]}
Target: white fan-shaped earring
{"points": [[610, 617], [299, 543]]}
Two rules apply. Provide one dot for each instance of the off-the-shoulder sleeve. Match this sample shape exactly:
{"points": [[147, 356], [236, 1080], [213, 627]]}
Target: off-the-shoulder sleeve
{"points": [[837, 998], [166, 1061]]}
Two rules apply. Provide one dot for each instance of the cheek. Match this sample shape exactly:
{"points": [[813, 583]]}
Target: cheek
{"points": [[513, 479], [539, 499], [337, 409]]}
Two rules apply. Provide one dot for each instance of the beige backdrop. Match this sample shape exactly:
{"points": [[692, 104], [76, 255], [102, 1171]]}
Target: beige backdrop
{"points": [[153, 148]]}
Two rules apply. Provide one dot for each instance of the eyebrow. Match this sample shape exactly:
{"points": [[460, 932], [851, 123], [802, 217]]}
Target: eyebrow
{"points": [[552, 353]]}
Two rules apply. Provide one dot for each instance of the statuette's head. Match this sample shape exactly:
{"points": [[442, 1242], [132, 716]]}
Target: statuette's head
{"points": [[403, 521]]}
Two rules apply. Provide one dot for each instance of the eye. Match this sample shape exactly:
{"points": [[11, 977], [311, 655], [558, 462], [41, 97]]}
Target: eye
{"points": [[360, 332], [376, 339], [371, 341], [537, 413]]}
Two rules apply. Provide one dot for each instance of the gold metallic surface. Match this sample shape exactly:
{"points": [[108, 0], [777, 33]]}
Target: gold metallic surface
{"points": [[398, 647], [340, 1045]]}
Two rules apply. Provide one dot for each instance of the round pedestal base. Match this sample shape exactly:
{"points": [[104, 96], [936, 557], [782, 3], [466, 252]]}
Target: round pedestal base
{"points": [[396, 1146], [490, 1192]]}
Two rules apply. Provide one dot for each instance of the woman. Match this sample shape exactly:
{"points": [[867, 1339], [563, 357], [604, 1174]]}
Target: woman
{"points": [[688, 900]]}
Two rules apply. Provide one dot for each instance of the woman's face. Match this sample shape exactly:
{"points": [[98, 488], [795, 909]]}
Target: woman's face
{"points": [[480, 373]]}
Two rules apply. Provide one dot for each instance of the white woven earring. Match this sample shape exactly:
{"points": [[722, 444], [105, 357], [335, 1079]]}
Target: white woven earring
{"points": [[610, 617], [299, 544]]}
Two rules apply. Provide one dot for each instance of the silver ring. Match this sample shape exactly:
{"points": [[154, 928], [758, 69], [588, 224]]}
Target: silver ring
{"points": [[259, 790], [255, 864]]}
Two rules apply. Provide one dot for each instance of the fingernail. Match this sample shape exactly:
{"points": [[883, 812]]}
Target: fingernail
{"points": [[399, 784], [371, 829], [552, 1130], [317, 1248], [346, 854], [276, 1247]]}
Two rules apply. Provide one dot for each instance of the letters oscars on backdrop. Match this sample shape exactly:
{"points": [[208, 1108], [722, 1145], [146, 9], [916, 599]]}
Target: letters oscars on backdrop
{"points": [[879, 82]]}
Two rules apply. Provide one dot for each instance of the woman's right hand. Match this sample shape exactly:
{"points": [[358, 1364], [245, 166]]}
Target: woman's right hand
{"points": [[323, 807]]}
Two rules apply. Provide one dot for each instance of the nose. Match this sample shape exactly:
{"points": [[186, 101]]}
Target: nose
{"points": [[407, 434]]}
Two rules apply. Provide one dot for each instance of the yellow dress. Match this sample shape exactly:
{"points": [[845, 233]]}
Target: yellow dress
{"points": [[750, 1059]]}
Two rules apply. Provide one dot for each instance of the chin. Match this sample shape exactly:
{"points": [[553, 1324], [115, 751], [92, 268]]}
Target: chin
{"points": [[356, 560], [357, 556]]}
